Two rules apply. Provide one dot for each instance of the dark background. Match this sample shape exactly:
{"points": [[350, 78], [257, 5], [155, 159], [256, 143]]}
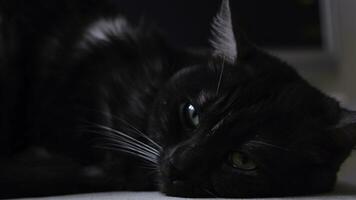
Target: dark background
{"points": [[272, 23]]}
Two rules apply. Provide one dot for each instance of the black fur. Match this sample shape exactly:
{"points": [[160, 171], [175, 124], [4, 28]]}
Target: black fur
{"points": [[59, 95]]}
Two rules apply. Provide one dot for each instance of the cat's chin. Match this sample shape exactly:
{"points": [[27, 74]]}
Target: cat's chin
{"points": [[189, 190], [183, 189]]}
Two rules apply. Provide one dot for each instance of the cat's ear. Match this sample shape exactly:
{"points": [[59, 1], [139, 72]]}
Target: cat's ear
{"points": [[348, 118], [223, 39]]}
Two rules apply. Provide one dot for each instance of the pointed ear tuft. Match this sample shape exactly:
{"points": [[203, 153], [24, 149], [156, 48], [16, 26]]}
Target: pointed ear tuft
{"points": [[223, 38]]}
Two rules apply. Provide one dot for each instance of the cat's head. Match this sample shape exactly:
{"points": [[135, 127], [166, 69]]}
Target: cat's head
{"points": [[245, 124]]}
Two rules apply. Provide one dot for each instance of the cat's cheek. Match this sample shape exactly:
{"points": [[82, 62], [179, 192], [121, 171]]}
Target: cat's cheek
{"points": [[229, 182]]}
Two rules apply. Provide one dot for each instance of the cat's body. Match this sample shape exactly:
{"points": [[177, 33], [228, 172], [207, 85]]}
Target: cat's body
{"points": [[57, 93], [80, 89]]}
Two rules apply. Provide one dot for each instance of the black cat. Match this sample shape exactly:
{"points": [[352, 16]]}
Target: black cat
{"points": [[86, 97]]}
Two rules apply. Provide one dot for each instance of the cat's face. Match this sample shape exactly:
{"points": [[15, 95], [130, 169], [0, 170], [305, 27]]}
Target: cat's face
{"points": [[246, 134], [244, 124]]}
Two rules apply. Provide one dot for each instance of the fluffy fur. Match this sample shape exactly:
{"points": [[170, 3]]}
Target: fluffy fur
{"points": [[112, 115], [223, 41], [101, 30]]}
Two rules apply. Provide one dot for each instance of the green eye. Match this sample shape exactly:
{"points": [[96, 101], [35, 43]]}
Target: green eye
{"points": [[241, 161], [190, 115]]}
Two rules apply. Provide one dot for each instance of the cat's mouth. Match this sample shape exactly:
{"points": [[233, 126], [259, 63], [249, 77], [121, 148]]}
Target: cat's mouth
{"points": [[181, 188], [183, 183]]}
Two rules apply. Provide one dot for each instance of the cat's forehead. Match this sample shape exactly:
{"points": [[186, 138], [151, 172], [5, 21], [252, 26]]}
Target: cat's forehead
{"points": [[279, 104], [257, 85], [244, 82]]}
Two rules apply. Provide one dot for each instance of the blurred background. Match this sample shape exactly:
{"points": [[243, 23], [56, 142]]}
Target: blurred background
{"points": [[318, 37]]}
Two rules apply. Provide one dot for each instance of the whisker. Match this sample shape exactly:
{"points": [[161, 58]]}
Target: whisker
{"points": [[127, 141], [128, 151], [129, 147], [267, 144], [220, 77], [136, 130], [150, 167], [140, 133], [218, 125], [119, 141], [133, 147], [119, 133]]}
